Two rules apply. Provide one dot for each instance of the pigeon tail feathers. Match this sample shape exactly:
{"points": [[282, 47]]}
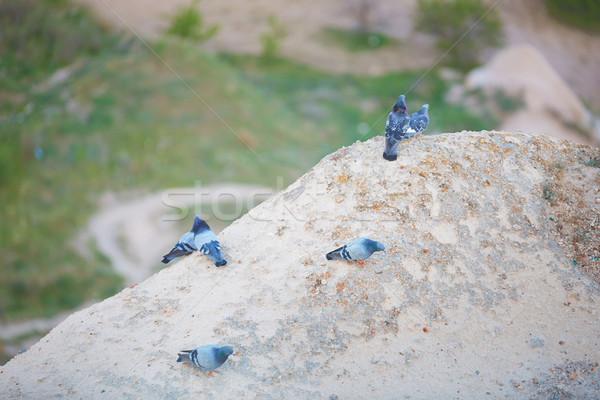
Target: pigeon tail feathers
{"points": [[180, 249], [336, 254], [184, 356]]}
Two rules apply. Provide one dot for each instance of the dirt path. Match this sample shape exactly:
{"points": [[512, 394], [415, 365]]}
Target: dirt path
{"points": [[574, 54], [135, 233]]}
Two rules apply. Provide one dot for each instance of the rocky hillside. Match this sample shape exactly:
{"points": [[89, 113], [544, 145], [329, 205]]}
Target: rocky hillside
{"points": [[474, 295]]}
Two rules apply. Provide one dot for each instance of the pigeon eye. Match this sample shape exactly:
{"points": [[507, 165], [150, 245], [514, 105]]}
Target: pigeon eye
{"points": [[396, 108]]}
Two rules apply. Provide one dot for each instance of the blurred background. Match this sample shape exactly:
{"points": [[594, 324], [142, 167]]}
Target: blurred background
{"points": [[121, 120]]}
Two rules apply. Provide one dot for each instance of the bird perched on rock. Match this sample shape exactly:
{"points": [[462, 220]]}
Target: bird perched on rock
{"points": [[207, 358], [418, 121], [359, 250], [199, 238], [395, 128], [186, 244], [207, 243]]}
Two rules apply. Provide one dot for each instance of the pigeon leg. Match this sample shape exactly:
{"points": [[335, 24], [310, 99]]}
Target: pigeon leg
{"points": [[362, 263], [209, 373]]}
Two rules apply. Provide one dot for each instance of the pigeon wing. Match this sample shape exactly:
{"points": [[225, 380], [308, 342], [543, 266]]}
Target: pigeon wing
{"points": [[339, 254], [183, 247], [176, 252], [418, 123], [358, 250], [203, 237], [205, 357]]}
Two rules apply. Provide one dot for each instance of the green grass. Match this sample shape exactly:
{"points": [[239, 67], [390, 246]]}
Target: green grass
{"points": [[123, 121], [343, 103]]}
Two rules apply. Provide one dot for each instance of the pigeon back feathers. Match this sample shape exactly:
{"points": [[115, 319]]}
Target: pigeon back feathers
{"points": [[398, 120], [419, 120], [207, 358], [359, 250], [208, 244]]}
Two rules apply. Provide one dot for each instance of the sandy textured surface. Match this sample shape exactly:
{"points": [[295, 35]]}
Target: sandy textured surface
{"points": [[474, 297]]}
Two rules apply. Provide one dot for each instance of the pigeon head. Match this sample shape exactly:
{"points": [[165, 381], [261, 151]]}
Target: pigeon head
{"points": [[400, 105], [374, 245], [226, 351], [424, 109], [223, 353]]}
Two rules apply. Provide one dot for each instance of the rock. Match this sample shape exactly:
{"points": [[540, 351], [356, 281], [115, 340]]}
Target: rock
{"points": [[471, 271], [521, 70]]}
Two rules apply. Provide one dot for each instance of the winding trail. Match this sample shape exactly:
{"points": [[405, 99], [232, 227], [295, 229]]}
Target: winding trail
{"points": [[134, 234]]}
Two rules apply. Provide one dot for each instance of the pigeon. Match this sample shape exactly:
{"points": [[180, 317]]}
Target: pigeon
{"points": [[359, 250], [207, 243], [207, 358], [186, 244], [395, 128], [418, 121]]}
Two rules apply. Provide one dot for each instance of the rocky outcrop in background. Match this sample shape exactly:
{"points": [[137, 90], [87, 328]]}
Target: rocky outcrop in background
{"points": [[474, 295], [549, 105]]}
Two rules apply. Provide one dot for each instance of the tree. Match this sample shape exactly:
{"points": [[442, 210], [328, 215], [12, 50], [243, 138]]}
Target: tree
{"points": [[463, 28]]}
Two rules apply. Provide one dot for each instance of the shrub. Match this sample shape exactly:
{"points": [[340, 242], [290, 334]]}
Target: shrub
{"points": [[582, 14], [270, 39], [188, 23], [463, 28]]}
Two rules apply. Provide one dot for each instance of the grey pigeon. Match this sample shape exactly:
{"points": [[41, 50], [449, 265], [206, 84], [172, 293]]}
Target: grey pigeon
{"points": [[359, 250], [207, 358], [395, 128], [418, 121], [186, 244], [207, 243]]}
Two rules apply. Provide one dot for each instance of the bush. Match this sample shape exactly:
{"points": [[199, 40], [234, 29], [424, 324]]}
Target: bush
{"points": [[188, 23], [463, 28], [270, 40], [582, 14]]}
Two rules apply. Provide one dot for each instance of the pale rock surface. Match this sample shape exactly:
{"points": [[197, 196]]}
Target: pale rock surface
{"points": [[521, 70], [473, 298]]}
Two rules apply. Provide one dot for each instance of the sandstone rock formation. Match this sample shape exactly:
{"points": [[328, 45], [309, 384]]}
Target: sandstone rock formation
{"points": [[474, 297], [550, 104]]}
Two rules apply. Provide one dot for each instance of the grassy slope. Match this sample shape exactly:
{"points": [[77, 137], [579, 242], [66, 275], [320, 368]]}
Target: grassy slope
{"points": [[342, 103], [123, 121]]}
